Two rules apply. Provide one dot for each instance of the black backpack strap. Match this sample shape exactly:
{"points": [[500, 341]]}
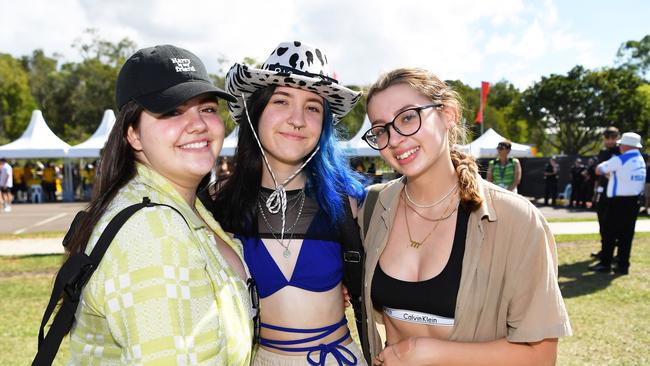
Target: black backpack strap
{"points": [[353, 260], [369, 208], [72, 277], [352, 250]]}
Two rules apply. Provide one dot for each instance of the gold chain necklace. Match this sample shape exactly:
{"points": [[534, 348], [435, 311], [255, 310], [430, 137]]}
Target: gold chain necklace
{"points": [[414, 243], [418, 205], [442, 218]]}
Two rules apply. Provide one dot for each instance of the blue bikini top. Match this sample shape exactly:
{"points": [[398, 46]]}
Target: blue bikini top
{"points": [[319, 266]]}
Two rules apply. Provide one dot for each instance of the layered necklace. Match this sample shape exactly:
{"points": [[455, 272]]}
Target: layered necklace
{"points": [[300, 197], [445, 215], [277, 201], [436, 203]]}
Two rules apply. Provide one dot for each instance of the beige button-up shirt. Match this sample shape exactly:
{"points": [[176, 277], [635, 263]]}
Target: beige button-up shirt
{"points": [[508, 286]]}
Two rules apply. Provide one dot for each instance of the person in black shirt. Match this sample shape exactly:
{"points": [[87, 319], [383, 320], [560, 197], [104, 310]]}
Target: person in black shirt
{"points": [[551, 171], [588, 185], [610, 136], [577, 180]]}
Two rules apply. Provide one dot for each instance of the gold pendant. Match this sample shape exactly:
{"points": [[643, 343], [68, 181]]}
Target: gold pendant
{"points": [[415, 244]]}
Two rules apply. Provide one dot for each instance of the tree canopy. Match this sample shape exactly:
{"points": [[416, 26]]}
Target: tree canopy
{"points": [[558, 113], [16, 101]]}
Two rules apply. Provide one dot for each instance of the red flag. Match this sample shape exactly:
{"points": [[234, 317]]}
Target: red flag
{"points": [[485, 89]]}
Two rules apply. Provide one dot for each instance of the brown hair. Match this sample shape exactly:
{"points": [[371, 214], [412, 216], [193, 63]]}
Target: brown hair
{"points": [[506, 143], [115, 168], [432, 87]]}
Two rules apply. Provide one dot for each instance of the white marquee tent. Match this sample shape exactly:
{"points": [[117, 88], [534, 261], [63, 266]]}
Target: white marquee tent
{"points": [[356, 146], [486, 146], [91, 147], [38, 141], [230, 143]]}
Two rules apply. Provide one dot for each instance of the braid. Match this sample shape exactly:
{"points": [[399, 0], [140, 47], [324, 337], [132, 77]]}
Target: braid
{"points": [[467, 171]]}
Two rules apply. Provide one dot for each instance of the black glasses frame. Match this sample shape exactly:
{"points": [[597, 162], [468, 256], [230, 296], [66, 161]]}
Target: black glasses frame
{"points": [[392, 123]]}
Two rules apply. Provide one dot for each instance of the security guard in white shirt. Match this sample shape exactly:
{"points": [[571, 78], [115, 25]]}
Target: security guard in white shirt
{"points": [[626, 182]]}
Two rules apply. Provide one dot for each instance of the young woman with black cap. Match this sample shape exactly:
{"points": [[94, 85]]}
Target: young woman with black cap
{"points": [[287, 200], [172, 287]]}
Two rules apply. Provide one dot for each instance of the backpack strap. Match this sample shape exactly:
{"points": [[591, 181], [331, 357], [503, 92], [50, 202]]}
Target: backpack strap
{"points": [[71, 279], [369, 208]]}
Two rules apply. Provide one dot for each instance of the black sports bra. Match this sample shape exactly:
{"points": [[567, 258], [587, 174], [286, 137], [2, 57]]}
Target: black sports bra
{"points": [[436, 295]]}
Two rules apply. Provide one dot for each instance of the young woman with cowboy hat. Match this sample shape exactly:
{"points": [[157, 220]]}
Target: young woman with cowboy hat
{"points": [[289, 202], [458, 270], [172, 286]]}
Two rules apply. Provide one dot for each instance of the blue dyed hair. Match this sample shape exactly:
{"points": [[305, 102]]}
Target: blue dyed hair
{"points": [[329, 174]]}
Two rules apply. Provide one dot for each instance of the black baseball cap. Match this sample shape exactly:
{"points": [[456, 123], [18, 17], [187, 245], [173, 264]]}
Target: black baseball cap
{"points": [[162, 77]]}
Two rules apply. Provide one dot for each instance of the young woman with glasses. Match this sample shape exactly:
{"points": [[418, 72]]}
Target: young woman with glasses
{"points": [[458, 271]]}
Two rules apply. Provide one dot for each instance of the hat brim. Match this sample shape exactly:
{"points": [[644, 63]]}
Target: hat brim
{"points": [[243, 81], [633, 144], [169, 99]]}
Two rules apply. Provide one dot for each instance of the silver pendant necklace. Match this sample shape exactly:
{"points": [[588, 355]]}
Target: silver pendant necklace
{"points": [[287, 252]]}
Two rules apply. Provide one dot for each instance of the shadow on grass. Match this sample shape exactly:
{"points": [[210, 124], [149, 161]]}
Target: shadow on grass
{"points": [[577, 280]]}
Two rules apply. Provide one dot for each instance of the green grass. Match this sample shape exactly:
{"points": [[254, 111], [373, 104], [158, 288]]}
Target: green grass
{"points": [[610, 315], [25, 285]]}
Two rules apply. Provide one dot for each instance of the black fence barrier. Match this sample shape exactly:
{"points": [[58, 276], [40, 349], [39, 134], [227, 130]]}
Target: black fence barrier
{"points": [[532, 177]]}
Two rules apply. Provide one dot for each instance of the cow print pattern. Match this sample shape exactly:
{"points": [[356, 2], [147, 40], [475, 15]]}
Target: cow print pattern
{"points": [[295, 65]]}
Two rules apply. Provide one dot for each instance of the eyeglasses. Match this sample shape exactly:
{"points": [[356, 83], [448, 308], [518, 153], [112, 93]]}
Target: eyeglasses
{"points": [[406, 123], [502, 147], [255, 303]]}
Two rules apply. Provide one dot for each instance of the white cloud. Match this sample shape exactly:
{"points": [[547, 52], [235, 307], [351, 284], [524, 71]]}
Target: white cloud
{"points": [[465, 39]]}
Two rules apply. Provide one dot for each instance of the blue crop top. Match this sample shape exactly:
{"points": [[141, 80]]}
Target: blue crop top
{"points": [[319, 266]]}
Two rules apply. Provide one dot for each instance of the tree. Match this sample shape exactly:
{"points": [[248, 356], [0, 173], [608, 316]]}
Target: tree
{"points": [[219, 80], [500, 111], [92, 47], [352, 122], [90, 89], [16, 101], [73, 97], [471, 99], [569, 111], [622, 103], [635, 55], [46, 83]]}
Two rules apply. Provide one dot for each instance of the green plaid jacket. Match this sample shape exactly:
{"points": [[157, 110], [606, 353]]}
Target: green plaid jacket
{"points": [[162, 294]]}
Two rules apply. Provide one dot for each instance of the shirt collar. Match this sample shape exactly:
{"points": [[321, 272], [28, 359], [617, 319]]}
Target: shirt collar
{"points": [[168, 193], [486, 209]]}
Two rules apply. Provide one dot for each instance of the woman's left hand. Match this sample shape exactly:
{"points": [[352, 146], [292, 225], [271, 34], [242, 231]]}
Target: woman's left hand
{"points": [[401, 353]]}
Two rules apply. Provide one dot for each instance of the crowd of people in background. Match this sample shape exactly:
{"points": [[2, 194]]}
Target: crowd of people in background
{"points": [[583, 180], [38, 182]]}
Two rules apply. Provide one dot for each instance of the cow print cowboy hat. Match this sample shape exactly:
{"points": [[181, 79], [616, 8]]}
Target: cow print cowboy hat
{"points": [[292, 64]]}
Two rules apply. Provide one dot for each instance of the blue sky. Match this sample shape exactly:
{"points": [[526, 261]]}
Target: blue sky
{"points": [[515, 40]]}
